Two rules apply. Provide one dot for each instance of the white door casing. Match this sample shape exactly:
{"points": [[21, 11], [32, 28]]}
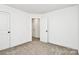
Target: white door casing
{"points": [[4, 28]]}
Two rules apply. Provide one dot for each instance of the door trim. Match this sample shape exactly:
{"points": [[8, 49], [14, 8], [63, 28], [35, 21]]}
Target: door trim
{"points": [[31, 23]]}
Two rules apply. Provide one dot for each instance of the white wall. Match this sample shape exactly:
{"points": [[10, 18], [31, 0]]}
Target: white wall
{"points": [[20, 28], [63, 27], [36, 27]]}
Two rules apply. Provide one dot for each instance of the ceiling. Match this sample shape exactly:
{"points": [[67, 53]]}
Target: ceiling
{"points": [[39, 8]]}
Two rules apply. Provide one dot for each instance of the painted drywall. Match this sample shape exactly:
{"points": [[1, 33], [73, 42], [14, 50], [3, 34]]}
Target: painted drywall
{"points": [[63, 27], [36, 27], [78, 29], [19, 23]]}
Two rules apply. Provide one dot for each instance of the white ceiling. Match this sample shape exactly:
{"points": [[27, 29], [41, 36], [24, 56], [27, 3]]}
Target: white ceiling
{"points": [[39, 8]]}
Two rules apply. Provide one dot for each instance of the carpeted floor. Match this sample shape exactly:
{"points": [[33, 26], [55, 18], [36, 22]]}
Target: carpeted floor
{"points": [[38, 48]]}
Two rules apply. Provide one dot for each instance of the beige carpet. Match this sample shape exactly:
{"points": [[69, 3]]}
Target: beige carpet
{"points": [[38, 48]]}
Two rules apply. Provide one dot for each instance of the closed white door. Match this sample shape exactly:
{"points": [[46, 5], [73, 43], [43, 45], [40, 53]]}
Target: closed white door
{"points": [[4, 28], [43, 29]]}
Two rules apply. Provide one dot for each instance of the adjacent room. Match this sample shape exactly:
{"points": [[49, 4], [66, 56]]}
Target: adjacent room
{"points": [[35, 29], [39, 29]]}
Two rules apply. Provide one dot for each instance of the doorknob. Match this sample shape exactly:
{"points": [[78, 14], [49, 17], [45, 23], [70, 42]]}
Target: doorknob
{"points": [[8, 31], [46, 30]]}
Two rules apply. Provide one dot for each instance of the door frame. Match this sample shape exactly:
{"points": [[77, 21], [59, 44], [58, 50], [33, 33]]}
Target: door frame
{"points": [[32, 27], [40, 17]]}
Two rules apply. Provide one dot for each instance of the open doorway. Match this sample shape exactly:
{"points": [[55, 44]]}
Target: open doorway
{"points": [[35, 29]]}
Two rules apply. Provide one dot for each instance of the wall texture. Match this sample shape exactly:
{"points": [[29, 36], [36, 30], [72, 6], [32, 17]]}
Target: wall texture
{"points": [[63, 27], [20, 25]]}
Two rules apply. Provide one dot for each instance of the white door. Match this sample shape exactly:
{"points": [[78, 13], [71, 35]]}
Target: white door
{"points": [[43, 29], [4, 28]]}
